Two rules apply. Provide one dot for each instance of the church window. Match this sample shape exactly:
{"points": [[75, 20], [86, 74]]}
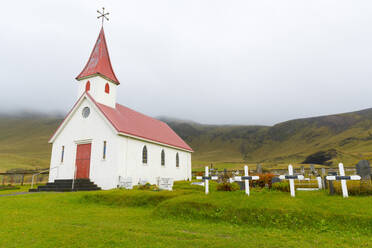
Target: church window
{"points": [[162, 157], [177, 160], [107, 88], [86, 112], [144, 155], [62, 153], [87, 86], [104, 150]]}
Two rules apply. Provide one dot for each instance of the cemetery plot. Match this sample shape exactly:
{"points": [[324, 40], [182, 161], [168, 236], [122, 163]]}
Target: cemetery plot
{"points": [[343, 179], [291, 179], [310, 182]]}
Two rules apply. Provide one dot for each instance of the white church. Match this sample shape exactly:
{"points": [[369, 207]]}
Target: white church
{"points": [[104, 141]]}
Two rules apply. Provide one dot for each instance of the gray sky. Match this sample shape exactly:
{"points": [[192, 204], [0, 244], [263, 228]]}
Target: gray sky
{"points": [[240, 62]]}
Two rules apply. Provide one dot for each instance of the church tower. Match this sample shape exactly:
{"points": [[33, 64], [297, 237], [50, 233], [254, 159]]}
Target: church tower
{"points": [[98, 78]]}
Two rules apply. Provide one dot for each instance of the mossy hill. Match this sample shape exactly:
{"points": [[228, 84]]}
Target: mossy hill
{"points": [[322, 140]]}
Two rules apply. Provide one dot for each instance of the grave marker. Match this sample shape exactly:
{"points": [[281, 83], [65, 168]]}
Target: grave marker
{"points": [[313, 170], [291, 179], [364, 169], [206, 179], [343, 179], [246, 179], [320, 185], [166, 184], [259, 169], [126, 182]]}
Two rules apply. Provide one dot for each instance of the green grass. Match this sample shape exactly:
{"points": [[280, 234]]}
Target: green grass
{"points": [[185, 218]]}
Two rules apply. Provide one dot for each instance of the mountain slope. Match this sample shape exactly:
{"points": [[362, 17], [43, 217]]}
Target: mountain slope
{"points": [[342, 137], [349, 135], [24, 141]]}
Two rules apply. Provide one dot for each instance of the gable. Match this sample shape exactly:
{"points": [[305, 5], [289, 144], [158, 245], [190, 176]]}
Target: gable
{"points": [[127, 122], [81, 124]]}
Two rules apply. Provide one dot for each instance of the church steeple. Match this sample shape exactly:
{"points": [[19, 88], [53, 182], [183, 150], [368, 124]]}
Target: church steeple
{"points": [[99, 63]]}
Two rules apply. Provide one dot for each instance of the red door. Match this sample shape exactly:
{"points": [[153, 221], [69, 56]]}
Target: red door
{"points": [[83, 160]]}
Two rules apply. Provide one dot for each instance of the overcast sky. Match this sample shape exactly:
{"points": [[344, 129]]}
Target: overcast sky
{"points": [[211, 61]]}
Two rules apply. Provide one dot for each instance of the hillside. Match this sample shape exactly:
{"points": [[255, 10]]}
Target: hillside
{"points": [[24, 141], [342, 137], [329, 139]]}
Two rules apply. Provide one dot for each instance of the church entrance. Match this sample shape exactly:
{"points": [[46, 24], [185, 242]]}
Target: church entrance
{"points": [[83, 160]]}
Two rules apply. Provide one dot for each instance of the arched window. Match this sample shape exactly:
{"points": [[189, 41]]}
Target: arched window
{"points": [[87, 86], [63, 154], [177, 160], [162, 157], [144, 155], [104, 149], [107, 88]]}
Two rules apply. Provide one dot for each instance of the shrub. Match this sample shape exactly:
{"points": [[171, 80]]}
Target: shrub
{"points": [[355, 187], [199, 173], [227, 187], [9, 187], [147, 186], [265, 179], [281, 186]]}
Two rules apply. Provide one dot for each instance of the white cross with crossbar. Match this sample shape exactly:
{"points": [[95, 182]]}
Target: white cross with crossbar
{"points": [[206, 179], [246, 179]]}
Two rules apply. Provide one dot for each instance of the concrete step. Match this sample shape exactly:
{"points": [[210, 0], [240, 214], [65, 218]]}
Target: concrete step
{"points": [[65, 185]]}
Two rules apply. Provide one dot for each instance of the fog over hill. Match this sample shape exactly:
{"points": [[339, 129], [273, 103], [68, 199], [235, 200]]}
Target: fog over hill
{"points": [[329, 139]]}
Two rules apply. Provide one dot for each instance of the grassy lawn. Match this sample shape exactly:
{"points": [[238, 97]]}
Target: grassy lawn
{"points": [[184, 218]]}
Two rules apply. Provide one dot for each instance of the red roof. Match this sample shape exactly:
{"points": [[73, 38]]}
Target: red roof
{"points": [[128, 121], [99, 61]]}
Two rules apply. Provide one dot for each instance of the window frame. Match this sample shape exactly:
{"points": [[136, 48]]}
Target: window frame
{"points": [[162, 159], [87, 86], [107, 88], [104, 152], [145, 156], [62, 154], [177, 160]]}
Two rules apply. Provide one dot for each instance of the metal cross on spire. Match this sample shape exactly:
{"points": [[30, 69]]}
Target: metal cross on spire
{"points": [[103, 15]]}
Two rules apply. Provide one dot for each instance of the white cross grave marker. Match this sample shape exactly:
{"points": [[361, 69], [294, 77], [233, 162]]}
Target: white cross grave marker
{"points": [[343, 179], [206, 179], [246, 179], [291, 179]]}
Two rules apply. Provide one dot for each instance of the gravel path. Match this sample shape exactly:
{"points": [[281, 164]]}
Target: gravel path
{"points": [[19, 193]]}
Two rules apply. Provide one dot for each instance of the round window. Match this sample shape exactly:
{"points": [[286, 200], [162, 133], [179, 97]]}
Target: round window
{"points": [[86, 112]]}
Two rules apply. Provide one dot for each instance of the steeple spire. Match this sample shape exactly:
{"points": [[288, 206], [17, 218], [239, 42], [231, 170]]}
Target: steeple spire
{"points": [[99, 61]]}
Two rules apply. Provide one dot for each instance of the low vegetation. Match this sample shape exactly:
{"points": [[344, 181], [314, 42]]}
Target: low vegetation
{"points": [[361, 188], [185, 217]]}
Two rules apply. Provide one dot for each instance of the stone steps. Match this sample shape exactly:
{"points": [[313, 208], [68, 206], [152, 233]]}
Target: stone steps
{"points": [[65, 185]]}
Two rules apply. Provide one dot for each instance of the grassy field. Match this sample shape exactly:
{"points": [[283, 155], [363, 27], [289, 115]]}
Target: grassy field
{"points": [[185, 218]]}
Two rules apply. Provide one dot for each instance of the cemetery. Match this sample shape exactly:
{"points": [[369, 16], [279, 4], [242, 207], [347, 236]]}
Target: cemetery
{"points": [[186, 216], [260, 208]]}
